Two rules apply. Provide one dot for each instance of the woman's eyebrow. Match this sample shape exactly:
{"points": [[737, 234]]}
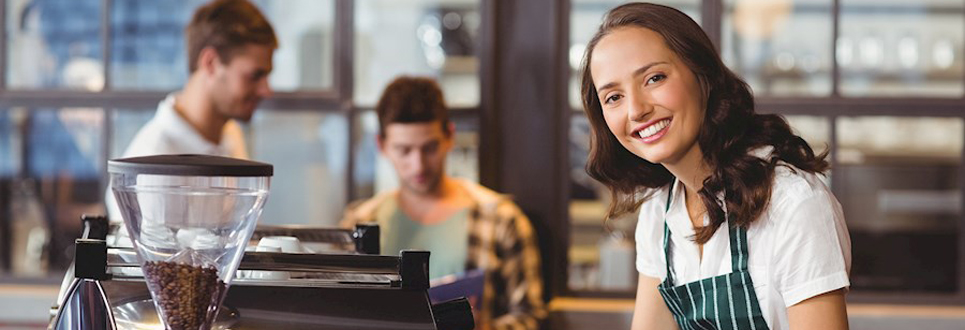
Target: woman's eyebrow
{"points": [[636, 72]]}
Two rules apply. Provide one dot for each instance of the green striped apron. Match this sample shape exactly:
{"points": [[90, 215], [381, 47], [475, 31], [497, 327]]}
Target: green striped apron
{"points": [[721, 302]]}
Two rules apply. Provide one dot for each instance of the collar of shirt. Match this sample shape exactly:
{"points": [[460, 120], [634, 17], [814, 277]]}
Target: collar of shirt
{"points": [[678, 218], [178, 128], [685, 251]]}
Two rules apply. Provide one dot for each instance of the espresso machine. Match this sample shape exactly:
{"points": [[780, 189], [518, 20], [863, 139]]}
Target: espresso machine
{"points": [[192, 221]]}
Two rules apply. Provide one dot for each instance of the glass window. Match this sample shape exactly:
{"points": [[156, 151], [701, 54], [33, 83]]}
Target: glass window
{"points": [[585, 19], [764, 42], [306, 41], [148, 47], [815, 130], [61, 180], [901, 195], [435, 38], [309, 151], [54, 44], [65, 142], [147, 43], [374, 173], [125, 123], [601, 255], [901, 48], [11, 141]]}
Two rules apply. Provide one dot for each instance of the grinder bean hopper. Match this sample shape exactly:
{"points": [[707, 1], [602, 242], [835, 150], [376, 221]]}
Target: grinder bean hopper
{"points": [[189, 218]]}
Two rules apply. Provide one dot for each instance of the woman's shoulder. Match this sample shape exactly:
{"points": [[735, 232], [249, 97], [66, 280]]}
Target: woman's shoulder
{"points": [[799, 198], [654, 204], [794, 183], [790, 183]]}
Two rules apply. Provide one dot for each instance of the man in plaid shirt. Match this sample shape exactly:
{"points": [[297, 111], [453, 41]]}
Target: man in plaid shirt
{"points": [[465, 226]]}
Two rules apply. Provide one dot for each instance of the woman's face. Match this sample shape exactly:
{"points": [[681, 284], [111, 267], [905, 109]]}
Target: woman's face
{"points": [[651, 100]]}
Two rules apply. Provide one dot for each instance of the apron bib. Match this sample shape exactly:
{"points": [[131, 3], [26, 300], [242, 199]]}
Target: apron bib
{"points": [[720, 302]]}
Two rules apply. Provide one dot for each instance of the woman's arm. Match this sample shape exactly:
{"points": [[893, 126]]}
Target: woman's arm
{"points": [[824, 311], [650, 311]]}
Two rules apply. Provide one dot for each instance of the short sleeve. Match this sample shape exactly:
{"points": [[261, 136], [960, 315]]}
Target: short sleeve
{"points": [[649, 238], [812, 252]]}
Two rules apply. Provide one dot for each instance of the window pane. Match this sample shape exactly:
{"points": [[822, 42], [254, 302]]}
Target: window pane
{"points": [[147, 44], [374, 173], [65, 142], [309, 151], [816, 130], [585, 19], [601, 255], [901, 198], [60, 181], [781, 48], [306, 39], [901, 48], [148, 47], [54, 44], [435, 38], [125, 123], [11, 141]]}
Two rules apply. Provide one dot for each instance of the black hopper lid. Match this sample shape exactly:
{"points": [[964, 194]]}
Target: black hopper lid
{"points": [[189, 165]]}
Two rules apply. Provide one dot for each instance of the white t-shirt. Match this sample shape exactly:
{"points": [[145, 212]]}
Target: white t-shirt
{"points": [[798, 249], [168, 134]]}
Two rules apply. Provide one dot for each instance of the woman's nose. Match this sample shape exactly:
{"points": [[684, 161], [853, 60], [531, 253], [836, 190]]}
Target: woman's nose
{"points": [[639, 107]]}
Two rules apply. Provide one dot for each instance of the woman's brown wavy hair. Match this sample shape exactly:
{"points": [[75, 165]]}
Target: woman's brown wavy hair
{"points": [[730, 129]]}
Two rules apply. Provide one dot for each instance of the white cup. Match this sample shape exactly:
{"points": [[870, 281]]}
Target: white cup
{"points": [[245, 273], [267, 274], [287, 244]]}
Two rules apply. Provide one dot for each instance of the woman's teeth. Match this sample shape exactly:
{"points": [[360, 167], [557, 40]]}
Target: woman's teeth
{"points": [[653, 129]]}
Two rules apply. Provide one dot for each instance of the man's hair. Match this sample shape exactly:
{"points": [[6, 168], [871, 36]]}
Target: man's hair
{"points": [[226, 26], [412, 100]]}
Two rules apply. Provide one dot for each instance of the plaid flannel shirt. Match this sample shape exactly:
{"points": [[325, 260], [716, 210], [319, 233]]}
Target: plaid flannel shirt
{"points": [[501, 242]]}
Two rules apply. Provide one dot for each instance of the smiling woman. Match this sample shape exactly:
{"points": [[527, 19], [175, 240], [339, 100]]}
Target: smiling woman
{"points": [[675, 134], [629, 98]]}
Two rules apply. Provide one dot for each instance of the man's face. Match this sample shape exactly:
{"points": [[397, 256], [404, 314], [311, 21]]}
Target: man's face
{"points": [[241, 83], [418, 153]]}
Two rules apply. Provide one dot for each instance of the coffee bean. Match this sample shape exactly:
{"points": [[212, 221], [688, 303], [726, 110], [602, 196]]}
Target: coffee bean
{"points": [[185, 292]]}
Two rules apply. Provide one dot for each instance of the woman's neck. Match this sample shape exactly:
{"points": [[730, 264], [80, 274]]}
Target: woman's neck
{"points": [[691, 170]]}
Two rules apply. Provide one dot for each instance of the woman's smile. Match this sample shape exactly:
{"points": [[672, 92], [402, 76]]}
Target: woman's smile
{"points": [[651, 132]]}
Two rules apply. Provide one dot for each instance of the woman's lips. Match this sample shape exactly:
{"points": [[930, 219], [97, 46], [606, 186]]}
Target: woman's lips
{"points": [[653, 131]]}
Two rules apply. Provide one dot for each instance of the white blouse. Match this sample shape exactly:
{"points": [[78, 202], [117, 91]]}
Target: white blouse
{"points": [[798, 249]]}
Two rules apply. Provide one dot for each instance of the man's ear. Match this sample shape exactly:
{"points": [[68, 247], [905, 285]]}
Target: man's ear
{"points": [[208, 60], [379, 142], [451, 130]]}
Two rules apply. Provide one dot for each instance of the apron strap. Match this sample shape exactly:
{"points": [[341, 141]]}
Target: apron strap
{"points": [[738, 248], [738, 243], [666, 236]]}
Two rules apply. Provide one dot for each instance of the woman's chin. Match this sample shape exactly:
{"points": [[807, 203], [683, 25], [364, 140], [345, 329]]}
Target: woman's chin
{"points": [[650, 156]]}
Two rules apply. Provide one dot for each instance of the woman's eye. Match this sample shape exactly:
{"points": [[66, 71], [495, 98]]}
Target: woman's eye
{"points": [[613, 98], [656, 78]]}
